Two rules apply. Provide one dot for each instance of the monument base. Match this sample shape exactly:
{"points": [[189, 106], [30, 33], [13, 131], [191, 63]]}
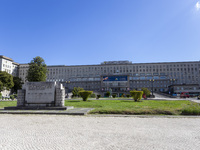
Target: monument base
{"points": [[37, 108]]}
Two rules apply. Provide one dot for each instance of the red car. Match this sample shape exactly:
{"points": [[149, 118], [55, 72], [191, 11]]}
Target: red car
{"points": [[184, 95]]}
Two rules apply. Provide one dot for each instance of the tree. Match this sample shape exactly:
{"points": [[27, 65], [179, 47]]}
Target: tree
{"points": [[146, 91], [37, 70], [6, 81], [76, 91], [1, 86], [17, 84]]}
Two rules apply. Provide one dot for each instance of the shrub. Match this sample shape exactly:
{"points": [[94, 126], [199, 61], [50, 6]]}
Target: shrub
{"points": [[92, 95], [128, 95], [123, 95], [15, 95], [137, 95], [114, 95], [107, 94], [85, 94], [12, 97], [146, 92], [193, 109], [0, 96], [76, 90], [98, 96]]}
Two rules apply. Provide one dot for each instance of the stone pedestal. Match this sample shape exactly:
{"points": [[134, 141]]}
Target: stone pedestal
{"points": [[41, 95]]}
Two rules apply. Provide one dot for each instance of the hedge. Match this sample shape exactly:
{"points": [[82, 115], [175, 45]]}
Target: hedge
{"points": [[85, 94], [137, 95]]}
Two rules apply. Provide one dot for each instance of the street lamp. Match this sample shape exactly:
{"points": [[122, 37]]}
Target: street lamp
{"points": [[152, 80], [171, 89], [67, 82], [172, 81]]}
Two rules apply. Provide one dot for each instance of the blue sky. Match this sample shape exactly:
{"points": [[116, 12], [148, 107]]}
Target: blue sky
{"points": [[79, 32]]}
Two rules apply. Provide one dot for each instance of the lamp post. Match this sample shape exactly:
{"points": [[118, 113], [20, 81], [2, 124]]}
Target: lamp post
{"points": [[171, 88], [67, 82], [152, 80], [172, 81]]}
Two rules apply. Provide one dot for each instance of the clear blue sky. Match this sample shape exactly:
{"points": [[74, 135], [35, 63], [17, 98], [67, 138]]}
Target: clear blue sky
{"points": [[79, 32]]}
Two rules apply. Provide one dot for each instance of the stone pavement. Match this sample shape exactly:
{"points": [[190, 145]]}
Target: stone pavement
{"points": [[62, 132], [74, 111]]}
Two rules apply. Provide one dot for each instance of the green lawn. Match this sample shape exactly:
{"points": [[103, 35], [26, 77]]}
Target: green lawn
{"points": [[7, 104], [130, 107], [151, 107]]}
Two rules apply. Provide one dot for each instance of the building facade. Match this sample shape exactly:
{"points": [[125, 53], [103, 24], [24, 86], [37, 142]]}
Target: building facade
{"points": [[122, 76], [8, 65]]}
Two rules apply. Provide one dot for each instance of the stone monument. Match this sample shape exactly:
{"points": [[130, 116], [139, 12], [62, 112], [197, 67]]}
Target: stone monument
{"points": [[41, 95]]}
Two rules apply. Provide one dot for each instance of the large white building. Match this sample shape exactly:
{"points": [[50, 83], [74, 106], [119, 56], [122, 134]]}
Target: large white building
{"points": [[122, 76], [118, 76], [8, 65]]}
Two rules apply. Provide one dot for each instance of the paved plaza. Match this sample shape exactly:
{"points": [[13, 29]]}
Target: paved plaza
{"points": [[61, 132]]}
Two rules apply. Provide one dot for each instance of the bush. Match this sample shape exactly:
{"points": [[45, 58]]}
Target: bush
{"points": [[12, 97], [92, 95], [85, 94], [0, 96], [128, 95], [123, 95], [107, 94], [15, 95], [114, 95], [193, 109], [146, 92], [98, 96], [137, 95]]}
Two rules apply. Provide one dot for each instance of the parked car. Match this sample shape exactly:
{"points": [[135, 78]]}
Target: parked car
{"points": [[184, 95]]}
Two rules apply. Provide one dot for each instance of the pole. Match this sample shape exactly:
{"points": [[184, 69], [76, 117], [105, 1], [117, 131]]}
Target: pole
{"points": [[151, 86]]}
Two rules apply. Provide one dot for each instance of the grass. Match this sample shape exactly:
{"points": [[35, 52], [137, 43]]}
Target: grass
{"points": [[7, 104], [151, 107], [130, 107]]}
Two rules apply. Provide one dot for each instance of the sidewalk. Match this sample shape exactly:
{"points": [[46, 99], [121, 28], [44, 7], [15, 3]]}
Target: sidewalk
{"points": [[75, 111]]}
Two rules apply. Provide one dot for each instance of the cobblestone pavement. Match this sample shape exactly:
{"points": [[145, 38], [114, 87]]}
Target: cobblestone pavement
{"points": [[61, 132]]}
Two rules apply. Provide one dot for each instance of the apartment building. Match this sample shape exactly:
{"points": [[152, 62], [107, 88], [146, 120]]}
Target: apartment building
{"points": [[8, 65], [122, 76]]}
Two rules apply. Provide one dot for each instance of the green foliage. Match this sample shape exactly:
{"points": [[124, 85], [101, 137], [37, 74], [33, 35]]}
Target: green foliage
{"points": [[92, 95], [15, 95], [137, 95], [76, 91], [17, 84], [146, 91], [37, 70], [1, 86], [192, 109], [123, 95], [12, 97], [85, 94], [114, 95], [128, 95], [107, 94], [98, 96], [0, 95], [6, 81]]}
